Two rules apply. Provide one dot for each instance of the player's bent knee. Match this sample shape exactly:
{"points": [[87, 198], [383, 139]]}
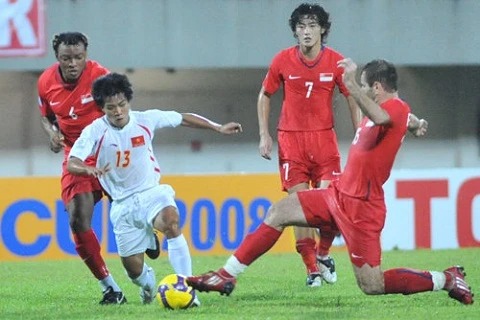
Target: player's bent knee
{"points": [[133, 266], [133, 274], [79, 223], [167, 222], [80, 212], [369, 279], [272, 217], [370, 287], [172, 231], [278, 218]]}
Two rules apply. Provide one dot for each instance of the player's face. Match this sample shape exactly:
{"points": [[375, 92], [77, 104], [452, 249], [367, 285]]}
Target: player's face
{"points": [[116, 108], [365, 87], [308, 32], [72, 59]]}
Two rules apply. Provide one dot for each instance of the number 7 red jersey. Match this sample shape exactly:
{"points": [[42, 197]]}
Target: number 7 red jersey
{"points": [[308, 88]]}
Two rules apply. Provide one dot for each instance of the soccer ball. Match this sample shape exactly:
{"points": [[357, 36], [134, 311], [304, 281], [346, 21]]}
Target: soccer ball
{"points": [[174, 293]]}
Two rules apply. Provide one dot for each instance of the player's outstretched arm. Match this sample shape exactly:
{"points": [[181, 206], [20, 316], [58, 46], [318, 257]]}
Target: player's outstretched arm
{"points": [[195, 121], [418, 127], [77, 167]]}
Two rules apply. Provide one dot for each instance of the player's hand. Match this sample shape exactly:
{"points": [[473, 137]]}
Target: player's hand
{"points": [[231, 128], [265, 147], [97, 172], [349, 71], [422, 128], [57, 142], [106, 168], [417, 127]]}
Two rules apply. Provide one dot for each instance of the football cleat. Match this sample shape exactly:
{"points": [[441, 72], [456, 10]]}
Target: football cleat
{"points": [[212, 281], [314, 280], [456, 285], [147, 295], [195, 303], [113, 297], [327, 269], [154, 253]]}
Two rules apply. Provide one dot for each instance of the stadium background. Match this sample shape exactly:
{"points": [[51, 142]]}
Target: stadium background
{"points": [[210, 57]]}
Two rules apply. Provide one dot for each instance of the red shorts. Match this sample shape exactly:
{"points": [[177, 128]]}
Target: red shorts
{"points": [[307, 157], [73, 184], [360, 221], [316, 210]]}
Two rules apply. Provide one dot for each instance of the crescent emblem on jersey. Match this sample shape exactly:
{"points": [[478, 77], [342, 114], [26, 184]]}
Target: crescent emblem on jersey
{"points": [[86, 98], [138, 141]]}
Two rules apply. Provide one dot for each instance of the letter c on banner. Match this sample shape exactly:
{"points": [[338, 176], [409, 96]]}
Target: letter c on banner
{"points": [[9, 235]]}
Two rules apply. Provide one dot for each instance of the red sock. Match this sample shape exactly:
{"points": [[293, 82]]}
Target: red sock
{"points": [[407, 281], [257, 243], [88, 248], [224, 273], [306, 248], [326, 239]]}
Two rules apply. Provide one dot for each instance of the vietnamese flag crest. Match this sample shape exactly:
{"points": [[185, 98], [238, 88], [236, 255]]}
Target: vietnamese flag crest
{"points": [[138, 141]]}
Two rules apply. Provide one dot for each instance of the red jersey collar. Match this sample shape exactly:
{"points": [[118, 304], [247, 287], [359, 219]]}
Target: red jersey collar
{"points": [[309, 64]]}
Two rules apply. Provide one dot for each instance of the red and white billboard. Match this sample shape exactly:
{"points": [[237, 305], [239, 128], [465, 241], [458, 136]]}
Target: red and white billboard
{"points": [[432, 209], [22, 29]]}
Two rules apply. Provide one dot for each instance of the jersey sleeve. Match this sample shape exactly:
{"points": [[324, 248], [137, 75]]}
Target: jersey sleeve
{"points": [[273, 79], [86, 144], [164, 119], [339, 81], [339, 77], [43, 105], [397, 111]]}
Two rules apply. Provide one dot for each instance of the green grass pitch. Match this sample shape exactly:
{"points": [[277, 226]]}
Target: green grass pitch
{"points": [[272, 288]]}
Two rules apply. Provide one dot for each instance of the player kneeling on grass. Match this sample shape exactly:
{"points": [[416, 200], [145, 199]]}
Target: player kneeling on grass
{"points": [[355, 202], [128, 171]]}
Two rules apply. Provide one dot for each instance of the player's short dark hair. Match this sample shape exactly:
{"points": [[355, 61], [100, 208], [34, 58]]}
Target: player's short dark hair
{"points": [[312, 11], [110, 85], [69, 38], [381, 71]]}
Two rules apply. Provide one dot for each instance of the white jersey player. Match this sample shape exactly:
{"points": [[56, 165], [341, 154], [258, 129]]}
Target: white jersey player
{"points": [[127, 169], [128, 151]]}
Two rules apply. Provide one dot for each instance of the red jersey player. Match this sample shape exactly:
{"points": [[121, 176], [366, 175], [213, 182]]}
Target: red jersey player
{"points": [[67, 106], [355, 202], [307, 144]]}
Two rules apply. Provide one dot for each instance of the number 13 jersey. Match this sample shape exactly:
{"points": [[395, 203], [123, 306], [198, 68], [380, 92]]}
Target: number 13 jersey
{"points": [[128, 151]]}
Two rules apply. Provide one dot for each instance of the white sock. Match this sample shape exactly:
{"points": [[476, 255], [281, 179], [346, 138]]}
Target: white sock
{"points": [[146, 280], [438, 279], [179, 255], [234, 267], [108, 281]]}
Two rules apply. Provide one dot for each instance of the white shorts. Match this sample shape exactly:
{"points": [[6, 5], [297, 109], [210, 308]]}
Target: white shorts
{"points": [[132, 218]]}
